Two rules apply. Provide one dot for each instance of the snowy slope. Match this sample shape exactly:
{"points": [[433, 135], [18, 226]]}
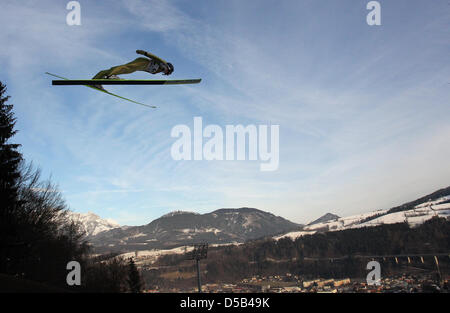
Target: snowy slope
{"points": [[419, 214]]}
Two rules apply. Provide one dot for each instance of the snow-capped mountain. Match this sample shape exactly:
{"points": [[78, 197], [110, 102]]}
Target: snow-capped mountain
{"points": [[92, 224], [184, 228], [415, 213]]}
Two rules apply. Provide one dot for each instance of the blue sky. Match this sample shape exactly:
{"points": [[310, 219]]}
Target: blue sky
{"points": [[363, 110]]}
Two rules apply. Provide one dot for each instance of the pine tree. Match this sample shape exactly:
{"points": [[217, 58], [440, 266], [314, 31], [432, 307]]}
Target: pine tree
{"points": [[134, 278], [10, 162], [10, 158]]}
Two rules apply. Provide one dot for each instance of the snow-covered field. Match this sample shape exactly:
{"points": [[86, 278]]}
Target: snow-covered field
{"points": [[150, 256], [295, 234]]}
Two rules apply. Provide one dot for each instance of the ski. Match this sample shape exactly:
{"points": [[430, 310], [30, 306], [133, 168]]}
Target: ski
{"points": [[107, 92], [125, 81]]}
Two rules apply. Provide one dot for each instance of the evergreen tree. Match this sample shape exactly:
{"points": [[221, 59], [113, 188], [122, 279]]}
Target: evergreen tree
{"points": [[134, 278], [10, 161], [37, 239]]}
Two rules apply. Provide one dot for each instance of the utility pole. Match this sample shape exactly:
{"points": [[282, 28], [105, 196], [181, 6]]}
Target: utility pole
{"points": [[199, 280], [200, 252], [436, 261]]}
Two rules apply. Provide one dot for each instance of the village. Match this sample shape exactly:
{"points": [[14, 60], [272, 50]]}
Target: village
{"points": [[288, 283]]}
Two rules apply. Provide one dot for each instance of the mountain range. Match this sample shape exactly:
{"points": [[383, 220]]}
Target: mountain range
{"points": [[225, 226], [184, 228]]}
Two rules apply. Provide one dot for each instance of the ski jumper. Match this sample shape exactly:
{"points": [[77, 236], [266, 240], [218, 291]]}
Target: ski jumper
{"points": [[152, 65]]}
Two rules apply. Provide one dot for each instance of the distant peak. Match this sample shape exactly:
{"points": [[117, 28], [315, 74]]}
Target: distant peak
{"points": [[325, 218], [237, 210], [178, 212]]}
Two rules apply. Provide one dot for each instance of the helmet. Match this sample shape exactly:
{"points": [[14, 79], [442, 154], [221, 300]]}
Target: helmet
{"points": [[170, 68]]}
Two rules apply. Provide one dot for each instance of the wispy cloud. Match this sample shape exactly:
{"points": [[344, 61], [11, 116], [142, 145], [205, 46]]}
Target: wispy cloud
{"points": [[362, 111]]}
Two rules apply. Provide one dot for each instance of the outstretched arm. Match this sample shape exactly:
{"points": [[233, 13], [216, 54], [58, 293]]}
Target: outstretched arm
{"points": [[151, 56]]}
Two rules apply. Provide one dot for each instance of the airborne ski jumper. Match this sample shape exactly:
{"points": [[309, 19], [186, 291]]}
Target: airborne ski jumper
{"points": [[151, 64]]}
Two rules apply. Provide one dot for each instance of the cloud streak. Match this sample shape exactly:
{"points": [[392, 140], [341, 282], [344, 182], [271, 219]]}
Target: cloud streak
{"points": [[362, 112]]}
